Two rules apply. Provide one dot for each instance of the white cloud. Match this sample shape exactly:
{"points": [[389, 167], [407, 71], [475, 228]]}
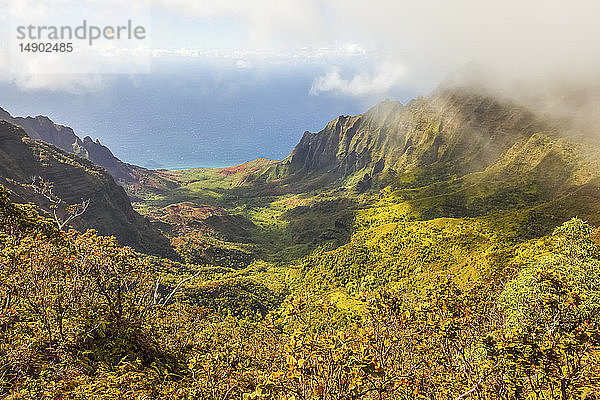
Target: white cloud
{"points": [[70, 83], [243, 64], [521, 38], [431, 38], [384, 78], [305, 53], [354, 49], [266, 21], [183, 52], [84, 68]]}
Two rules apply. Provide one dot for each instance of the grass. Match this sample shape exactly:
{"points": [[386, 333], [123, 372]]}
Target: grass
{"points": [[337, 242]]}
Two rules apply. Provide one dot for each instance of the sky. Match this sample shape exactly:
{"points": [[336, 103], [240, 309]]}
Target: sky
{"points": [[319, 56], [412, 43]]}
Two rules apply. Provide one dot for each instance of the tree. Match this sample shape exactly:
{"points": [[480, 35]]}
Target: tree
{"points": [[549, 345], [61, 211]]}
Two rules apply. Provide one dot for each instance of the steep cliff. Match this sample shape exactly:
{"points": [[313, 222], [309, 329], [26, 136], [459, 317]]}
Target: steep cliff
{"points": [[63, 137], [459, 152], [458, 131], [75, 178]]}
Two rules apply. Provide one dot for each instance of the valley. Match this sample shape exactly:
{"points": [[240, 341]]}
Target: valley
{"points": [[431, 229]]}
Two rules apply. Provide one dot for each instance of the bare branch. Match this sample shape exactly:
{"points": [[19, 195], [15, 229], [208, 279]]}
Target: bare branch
{"points": [[473, 389], [75, 211], [71, 211], [166, 300], [156, 290]]}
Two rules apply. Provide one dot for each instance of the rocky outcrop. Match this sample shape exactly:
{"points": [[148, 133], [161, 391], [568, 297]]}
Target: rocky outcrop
{"points": [[75, 178], [456, 130], [42, 128]]}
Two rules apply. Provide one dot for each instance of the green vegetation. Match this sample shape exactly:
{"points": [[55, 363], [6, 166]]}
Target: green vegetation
{"points": [[400, 308], [73, 180], [454, 268]]}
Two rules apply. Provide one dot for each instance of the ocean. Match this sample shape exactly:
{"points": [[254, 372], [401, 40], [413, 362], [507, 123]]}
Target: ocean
{"points": [[194, 115]]}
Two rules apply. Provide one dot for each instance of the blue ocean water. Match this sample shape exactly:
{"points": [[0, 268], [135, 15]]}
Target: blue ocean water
{"points": [[194, 115]]}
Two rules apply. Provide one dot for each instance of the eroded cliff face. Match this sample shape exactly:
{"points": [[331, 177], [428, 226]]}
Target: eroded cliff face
{"points": [[459, 152], [63, 137], [457, 130], [75, 178]]}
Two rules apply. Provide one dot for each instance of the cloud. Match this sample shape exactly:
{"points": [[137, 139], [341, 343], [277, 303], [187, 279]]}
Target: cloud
{"points": [[70, 83], [264, 21], [243, 64], [83, 68], [519, 38], [387, 76]]}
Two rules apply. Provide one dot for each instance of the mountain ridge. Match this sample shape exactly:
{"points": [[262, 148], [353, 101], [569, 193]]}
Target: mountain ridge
{"points": [[446, 127], [75, 179], [63, 137]]}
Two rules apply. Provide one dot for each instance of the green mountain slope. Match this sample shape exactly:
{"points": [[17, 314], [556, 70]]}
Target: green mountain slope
{"points": [[360, 197], [63, 137], [413, 251], [453, 131], [457, 152], [74, 178]]}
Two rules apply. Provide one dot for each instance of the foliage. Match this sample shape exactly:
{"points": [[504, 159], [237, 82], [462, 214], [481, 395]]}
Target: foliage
{"points": [[201, 249], [440, 309]]}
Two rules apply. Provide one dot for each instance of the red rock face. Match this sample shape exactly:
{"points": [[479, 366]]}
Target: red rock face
{"points": [[233, 170], [188, 217], [247, 167]]}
